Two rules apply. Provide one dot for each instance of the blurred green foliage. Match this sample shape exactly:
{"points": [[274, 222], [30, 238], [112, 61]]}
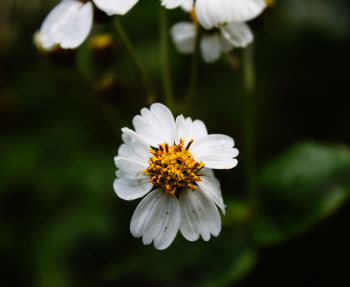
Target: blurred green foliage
{"points": [[60, 118], [299, 188]]}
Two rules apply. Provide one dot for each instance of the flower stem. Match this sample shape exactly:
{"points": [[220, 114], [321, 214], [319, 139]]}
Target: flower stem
{"points": [[150, 94], [168, 92], [191, 94], [249, 122]]}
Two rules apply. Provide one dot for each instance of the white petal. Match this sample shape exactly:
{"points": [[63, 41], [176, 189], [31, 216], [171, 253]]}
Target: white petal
{"points": [[130, 189], [199, 216], [142, 215], [134, 147], [115, 7], [131, 168], [187, 5], [184, 37], [225, 46], [211, 187], [215, 151], [155, 125], [170, 4], [210, 48], [168, 222], [238, 34], [156, 218], [68, 24], [188, 129], [215, 13]]}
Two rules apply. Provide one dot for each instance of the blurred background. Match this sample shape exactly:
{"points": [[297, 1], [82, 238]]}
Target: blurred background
{"points": [[61, 223]]}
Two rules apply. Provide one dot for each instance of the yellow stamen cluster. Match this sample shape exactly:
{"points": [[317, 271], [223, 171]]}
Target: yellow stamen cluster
{"points": [[173, 168]]}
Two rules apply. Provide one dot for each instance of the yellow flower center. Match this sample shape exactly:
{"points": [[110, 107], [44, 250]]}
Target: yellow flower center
{"points": [[173, 168], [101, 42], [270, 2]]}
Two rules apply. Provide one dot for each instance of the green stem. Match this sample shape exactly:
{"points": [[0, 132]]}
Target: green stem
{"points": [[194, 72], [168, 92], [136, 61], [249, 122]]}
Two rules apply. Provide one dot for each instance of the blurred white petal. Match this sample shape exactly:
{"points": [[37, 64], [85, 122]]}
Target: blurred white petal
{"points": [[237, 34], [170, 4], [68, 24], [210, 47], [215, 13], [184, 37], [115, 7], [187, 5]]}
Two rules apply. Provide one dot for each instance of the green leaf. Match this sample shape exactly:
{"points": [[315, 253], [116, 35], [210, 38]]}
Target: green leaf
{"points": [[300, 188]]}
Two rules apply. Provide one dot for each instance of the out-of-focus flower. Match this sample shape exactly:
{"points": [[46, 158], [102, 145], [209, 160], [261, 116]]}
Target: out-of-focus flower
{"points": [[171, 161], [101, 42], [224, 23], [69, 23], [219, 12], [216, 13], [103, 48], [213, 42]]}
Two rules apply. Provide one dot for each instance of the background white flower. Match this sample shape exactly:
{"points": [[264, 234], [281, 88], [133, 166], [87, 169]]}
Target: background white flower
{"points": [[224, 21], [187, 5], [216, 13], [171, 161], [219, 12], [170, 4], [69, 23], [214, 43]]}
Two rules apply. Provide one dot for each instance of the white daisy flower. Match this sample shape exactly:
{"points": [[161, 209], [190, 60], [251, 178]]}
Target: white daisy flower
{"points": [[69, 23], [170, 162], [214, 41]]}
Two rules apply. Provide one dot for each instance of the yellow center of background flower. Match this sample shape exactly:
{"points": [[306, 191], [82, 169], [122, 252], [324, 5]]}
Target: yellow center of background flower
{"points": [[173, 168], [194, 16]]}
